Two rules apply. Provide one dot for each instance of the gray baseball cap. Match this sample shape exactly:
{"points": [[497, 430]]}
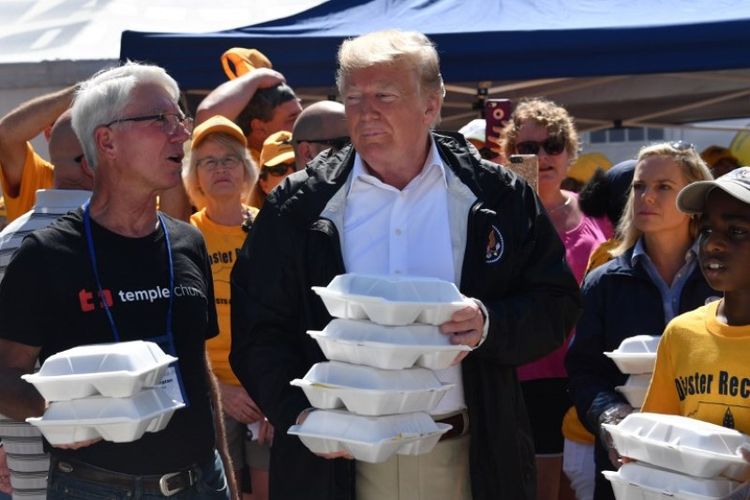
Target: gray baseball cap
{"points": [[692, 198]]}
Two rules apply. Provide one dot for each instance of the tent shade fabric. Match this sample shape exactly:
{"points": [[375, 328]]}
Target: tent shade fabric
{"points": [[501, 42]]}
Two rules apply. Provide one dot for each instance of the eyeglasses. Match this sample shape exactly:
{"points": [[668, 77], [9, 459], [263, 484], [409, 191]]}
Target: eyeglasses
{"points": [[553, 146], [336, 143], [682, 145], [168, 121], [229, 162], [279, 170]]}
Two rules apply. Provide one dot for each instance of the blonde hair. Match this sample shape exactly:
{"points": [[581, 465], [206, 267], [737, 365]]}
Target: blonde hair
{"points": [[693, 168], [190, 170], [547, 114], [411, 48]]}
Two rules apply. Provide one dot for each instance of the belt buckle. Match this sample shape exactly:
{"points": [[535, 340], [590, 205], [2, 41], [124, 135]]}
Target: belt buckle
{"points": [[164, 486]]}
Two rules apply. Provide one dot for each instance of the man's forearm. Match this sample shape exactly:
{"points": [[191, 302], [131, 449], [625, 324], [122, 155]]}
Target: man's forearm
{"points": [[19, 399], [30, 118], [23, 124]]}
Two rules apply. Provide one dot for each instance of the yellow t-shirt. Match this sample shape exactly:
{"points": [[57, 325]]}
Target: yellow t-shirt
{"points": [[223, 244], [601, 255], [573, 429], [702, 370], [37, 174]]}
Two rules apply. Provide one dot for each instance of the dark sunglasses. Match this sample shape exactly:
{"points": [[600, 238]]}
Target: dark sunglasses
{"points": [[279, 170], [336, 143], [552, 146]]}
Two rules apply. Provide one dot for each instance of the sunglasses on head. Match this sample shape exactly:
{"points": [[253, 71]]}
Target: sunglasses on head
{"points": [[553, 145], [681, 146]]}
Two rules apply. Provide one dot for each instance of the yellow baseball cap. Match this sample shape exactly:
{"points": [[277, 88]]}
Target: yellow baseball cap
{"points": [[217, 124], [585, 165], [237, 61], [277, 149]]}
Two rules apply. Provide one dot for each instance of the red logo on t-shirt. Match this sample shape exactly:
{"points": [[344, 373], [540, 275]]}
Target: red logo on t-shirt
{"points": [[86, 299]]}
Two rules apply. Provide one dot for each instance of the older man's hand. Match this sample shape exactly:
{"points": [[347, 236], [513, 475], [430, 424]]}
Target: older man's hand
{"points": [[465, 327]]}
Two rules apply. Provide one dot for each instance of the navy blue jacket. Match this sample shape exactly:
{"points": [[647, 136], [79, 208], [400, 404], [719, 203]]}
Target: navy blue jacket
{"points": [[619, 301]]}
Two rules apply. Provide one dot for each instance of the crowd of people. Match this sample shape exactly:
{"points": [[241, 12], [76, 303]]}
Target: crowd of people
{"points": [[233, 219]]}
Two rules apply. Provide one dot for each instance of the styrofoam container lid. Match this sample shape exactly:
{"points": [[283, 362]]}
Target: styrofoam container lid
{"points": [[635, 389], [388, 347], [639, 344], [637, 480], [391, 300], [395, 288], [114, 370], [636, 355], [370, 439], [371, 391], [112, 419], [681, 444]]}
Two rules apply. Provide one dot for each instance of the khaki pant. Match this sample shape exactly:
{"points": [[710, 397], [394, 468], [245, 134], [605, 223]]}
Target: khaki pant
{"points": [[442, 474]]}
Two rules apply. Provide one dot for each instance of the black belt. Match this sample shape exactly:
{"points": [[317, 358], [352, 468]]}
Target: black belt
{"points": [[460, 423], [165, 484]]}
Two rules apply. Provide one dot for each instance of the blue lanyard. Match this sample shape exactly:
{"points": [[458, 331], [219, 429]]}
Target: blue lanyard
{"points": [[92, 257]]}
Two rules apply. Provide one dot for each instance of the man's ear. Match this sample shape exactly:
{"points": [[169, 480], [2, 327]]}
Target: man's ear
{"points": [[432, 108], [105, 143], [304, 151], [258, 126]]}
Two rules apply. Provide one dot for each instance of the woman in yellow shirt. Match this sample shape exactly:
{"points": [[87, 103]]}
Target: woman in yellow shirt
{"points": [[218, 177]]}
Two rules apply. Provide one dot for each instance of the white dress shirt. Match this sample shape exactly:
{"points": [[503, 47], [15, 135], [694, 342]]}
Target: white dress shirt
{"points": [[403, 232]]}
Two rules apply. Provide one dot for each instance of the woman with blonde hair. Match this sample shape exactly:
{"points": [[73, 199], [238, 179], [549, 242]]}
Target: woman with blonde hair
{"points": [[542, 128], [653, 277], [218, 176]]}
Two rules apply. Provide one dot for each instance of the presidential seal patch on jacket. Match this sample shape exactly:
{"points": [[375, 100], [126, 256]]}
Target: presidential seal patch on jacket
{"points": [[495, 246]]}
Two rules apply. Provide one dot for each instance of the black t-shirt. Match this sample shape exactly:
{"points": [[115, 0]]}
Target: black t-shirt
{"points": [[48, 299]]}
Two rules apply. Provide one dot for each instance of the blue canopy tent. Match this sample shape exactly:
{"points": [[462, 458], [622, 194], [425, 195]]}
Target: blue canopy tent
{"points": [[607, 61]]}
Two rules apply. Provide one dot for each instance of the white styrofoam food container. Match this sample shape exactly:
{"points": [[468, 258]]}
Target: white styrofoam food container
{"points": [[681, 444], [639, 481], [119, 420], [387, 347], [371, 391], [115, 370], [635, 389], [369, 439], [391, 300], [636, 354]]}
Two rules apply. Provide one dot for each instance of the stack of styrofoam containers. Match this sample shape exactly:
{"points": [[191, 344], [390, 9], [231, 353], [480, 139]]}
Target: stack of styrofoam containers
{"points": [[107, 391], [636, 357], [27, 462], [677, 458], [377, 389]]}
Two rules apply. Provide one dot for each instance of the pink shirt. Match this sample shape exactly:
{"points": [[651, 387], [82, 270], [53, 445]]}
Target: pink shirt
{"points": [[579, 242]]}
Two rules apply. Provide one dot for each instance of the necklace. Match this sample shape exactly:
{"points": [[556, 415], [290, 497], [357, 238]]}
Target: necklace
{"points": [[560, 207]]}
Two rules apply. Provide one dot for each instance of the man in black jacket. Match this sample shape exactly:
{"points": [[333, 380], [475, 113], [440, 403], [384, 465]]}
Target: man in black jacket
{"points": [[403, 200]]}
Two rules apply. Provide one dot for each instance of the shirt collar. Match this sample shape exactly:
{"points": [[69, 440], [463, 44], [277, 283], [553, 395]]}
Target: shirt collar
{"points": [[432, 163], [639, 252]]}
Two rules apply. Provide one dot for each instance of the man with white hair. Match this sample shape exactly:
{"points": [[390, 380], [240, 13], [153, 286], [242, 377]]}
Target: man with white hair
{"points": [[403, 200], [117, 270]]}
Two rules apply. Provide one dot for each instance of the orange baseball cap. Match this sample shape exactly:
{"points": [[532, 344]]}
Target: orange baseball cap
{"points": [[238, 61]]}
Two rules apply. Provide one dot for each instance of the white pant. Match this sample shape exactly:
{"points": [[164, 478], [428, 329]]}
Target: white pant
{"points": [[578, 465]]}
